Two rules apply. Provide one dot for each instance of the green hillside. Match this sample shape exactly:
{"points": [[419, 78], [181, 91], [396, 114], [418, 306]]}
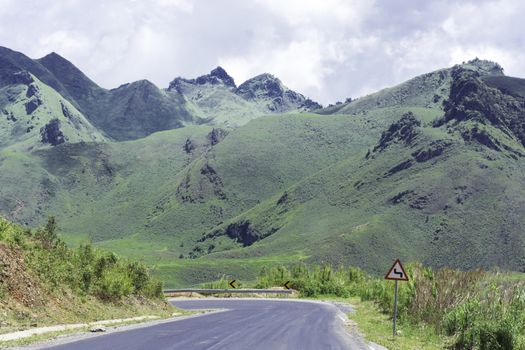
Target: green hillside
{"points": [[429, 170], [425, 192], [33, 114]]}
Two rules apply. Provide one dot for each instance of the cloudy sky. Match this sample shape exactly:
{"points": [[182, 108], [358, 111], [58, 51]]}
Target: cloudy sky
{"points": [[326, 49]]}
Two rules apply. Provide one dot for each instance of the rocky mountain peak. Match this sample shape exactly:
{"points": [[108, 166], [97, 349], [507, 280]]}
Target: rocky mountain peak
{"points": [[217, 76], [472, 100], [268, 87], [262, 85], [58, 64], [221, 74], [483, 67], [53, 56]]}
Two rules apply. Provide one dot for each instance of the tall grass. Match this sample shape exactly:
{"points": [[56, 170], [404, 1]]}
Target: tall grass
{"points": [[473, 307]]}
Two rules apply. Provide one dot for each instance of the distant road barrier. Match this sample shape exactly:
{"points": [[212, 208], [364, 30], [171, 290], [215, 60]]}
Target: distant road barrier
{"points": [[229, 291]]}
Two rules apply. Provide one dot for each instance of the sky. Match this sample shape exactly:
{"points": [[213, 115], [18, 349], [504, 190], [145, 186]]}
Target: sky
{"points": [[326, 49]]}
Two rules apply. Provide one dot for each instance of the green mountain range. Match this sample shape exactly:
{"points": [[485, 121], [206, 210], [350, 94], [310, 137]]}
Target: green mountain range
{"points": [[207, 178]]}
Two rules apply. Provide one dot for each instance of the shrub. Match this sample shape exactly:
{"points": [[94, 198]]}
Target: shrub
{"points": [[113, 285], [139, 276], [85, 270]]}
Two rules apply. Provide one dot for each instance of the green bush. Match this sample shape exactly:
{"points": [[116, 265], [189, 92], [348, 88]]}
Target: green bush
{"points": [[113, 285], [139, 276], [85, 270]]}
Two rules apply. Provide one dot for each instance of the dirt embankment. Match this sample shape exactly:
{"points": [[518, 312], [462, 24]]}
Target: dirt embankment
{"points": [[15, 281]]}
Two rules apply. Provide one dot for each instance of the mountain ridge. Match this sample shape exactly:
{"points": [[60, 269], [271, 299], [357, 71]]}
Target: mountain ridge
{"points": [[151, 109]]}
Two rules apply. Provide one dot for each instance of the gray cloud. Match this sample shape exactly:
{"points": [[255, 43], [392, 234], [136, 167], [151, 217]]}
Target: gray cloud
{"points": [[328, 50]]}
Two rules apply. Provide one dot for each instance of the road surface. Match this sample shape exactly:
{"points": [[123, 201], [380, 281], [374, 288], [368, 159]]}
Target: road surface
{"points": [[246, 324]]}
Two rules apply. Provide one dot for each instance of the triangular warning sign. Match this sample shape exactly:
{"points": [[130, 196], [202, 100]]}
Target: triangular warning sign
{"points": [[397, 272]]}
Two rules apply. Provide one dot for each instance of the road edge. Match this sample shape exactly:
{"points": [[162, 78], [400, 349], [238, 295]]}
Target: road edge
{"points": [[79, 336]]}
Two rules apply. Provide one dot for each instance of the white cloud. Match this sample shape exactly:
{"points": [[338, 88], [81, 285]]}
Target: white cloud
{"points": [[328, 50], [68, 43], [185, 5]]}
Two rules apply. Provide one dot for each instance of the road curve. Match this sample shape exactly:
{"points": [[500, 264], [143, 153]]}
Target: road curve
{"points": [[246, 324]]}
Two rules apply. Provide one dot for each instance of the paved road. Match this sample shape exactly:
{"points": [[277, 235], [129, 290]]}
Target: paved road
{"points": [[257, 324]]}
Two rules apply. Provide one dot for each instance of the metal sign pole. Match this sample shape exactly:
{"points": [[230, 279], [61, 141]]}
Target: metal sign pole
{"points": [[395, 311], [396, 273]]}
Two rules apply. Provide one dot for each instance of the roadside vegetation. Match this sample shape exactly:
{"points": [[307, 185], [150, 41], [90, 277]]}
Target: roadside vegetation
{"points": [[43, 282], [471, 309]]}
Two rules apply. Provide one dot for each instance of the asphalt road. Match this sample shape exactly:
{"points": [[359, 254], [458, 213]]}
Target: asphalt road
{"points": [[254, 324]]}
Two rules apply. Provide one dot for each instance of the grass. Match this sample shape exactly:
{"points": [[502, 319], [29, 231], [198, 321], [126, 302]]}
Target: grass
{"points": [[23, 128], [148, 199], [194, 272], [301, 184], [377, 327], [437, 308]]}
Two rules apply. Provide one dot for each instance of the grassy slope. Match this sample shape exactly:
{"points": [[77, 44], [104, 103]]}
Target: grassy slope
{"points": [[470, 202], [150, 199], [219, 104], [21, 127], [428, 91], [244, 160], [257, 162], [127, 195]]}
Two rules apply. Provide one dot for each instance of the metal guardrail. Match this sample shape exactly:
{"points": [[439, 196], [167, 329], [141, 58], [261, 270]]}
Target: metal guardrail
{"points": [[230, 291]]}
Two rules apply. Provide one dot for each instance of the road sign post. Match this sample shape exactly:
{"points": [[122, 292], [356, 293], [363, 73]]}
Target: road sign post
{"points": [[396, 273], [395, 311]]}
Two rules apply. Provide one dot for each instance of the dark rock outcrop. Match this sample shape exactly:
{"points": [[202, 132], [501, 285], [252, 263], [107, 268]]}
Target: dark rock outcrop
{"points": [[242, 232], [401, 166], [32, 105], [51, 133], [398, 198], [216, 135], [32, 90], [471, 99], [404, 131], [216, 76], [435, 149], [22, 77], [482, 137], [189, 146]]}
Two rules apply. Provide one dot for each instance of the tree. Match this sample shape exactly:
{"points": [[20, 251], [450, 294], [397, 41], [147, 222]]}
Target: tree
{"points": [[48, 236]]}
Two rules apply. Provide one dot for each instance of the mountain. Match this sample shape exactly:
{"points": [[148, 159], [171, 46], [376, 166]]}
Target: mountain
{"points": [[216, 98], [138, 109], [34, 114], [447, 191], [427, 90], [429, 170]]}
